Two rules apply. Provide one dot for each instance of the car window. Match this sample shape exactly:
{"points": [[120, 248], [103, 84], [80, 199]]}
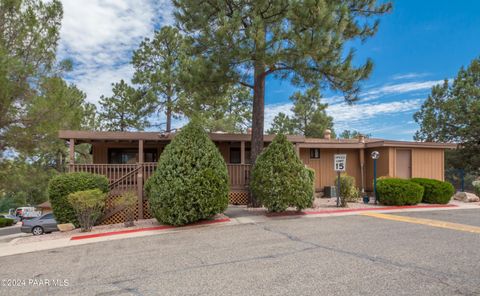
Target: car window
{"points": [[48, 216]]}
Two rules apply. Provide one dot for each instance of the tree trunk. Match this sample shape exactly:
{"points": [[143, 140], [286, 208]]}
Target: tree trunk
{"points": [[257, 120], [169, 114]]}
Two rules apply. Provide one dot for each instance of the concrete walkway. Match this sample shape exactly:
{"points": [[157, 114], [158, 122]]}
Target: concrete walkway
{"points": [[237, 215]]}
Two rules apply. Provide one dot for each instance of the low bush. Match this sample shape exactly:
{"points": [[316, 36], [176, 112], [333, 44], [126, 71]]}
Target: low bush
{"points": [[191, 179], [476, 187], [6, 222], [280, 179], [128, 200], [88, 206], [348, 191], [399, 192], [62, 185], [435, 191]]}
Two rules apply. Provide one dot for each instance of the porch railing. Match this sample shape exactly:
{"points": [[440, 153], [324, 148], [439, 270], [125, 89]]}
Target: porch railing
{"points": [[239, 174]]}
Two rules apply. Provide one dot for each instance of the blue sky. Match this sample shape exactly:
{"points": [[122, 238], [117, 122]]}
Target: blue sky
{"points": [[418, 44]]}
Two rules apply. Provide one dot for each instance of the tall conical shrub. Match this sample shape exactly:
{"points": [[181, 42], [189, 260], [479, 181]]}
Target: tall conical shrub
{"points": [[191, 180], [280, 179]]}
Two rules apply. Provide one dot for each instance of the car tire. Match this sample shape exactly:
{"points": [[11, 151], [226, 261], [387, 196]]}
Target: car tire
{"points": [[37, 230]]}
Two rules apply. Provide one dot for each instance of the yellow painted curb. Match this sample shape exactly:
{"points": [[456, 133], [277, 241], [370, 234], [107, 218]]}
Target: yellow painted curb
{"points": [[429, 222]]}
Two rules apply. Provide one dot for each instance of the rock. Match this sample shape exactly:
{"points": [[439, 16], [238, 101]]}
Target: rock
{"points": [[466, 197], [66, 227]]}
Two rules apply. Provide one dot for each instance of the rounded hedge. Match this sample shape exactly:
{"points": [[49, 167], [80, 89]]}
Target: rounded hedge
{"points": [[280, 179], [6, 222], [435, 191], [61, 186], [398, 192], [191, 179]]}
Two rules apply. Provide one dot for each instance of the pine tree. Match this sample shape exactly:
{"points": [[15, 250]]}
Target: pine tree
{"points": [[309, 116], [126, 109], [157, 64], [245, 42], [451, 113]]}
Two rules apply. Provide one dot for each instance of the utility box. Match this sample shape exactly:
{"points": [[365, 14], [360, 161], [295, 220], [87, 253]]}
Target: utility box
{"points": [[329, 191]]}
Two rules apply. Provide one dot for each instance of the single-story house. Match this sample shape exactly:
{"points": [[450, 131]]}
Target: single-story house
{"points": [[129, 158]]}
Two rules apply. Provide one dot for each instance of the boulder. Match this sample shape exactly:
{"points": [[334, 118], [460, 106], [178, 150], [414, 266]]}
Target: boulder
{"points": [[66, 227], [466, 197]]}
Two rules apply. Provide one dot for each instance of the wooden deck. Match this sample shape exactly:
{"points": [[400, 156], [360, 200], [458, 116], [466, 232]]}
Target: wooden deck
{"points": [[128, 174]]}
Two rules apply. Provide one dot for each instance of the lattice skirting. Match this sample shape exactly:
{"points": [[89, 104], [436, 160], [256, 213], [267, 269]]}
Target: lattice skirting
{"points": [[119, 217], [238, 197], [235, 198]]}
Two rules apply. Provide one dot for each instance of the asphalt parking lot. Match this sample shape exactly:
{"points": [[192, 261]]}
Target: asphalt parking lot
{"points": [[349, 255]]}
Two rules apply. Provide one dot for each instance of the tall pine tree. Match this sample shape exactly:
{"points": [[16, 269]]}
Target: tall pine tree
{"points": [[304, 41], [126, 109], [309, 116]]}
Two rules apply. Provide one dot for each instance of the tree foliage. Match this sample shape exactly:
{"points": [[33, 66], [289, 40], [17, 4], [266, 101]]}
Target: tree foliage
{"points": [[126, 109], [157, 64], [244, 42], [353, 134], [451, 113], [309, 116], [29, 33]]}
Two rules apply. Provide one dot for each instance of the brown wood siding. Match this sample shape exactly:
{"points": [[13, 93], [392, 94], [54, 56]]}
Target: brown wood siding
{"points": [[428, 163], [323, 166], [224, 148], [384, 165]]}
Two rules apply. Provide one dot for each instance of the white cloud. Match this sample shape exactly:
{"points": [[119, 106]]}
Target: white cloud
{"points": [[357, 116], [100, 35], [399, 88], [409, 75]]}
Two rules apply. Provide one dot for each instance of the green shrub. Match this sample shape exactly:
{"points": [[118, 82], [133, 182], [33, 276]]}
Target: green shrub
{"points": [[280, 179], [191, 179], [399, 192], [476, 187], [348, 191], [62, 185], [128, 200], [435, 191], [88, 206], [6, 222]]}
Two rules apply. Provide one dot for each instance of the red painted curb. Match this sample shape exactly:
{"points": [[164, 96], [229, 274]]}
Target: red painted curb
{"points": [[162, 227], [356, 210]]}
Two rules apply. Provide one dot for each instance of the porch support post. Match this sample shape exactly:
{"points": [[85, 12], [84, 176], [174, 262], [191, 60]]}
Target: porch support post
{"points": [[297, 149], [140, 179], [242, 152], [362, 168], [71, 146]]}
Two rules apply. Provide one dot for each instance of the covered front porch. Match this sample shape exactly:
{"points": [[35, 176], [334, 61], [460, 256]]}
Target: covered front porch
{"points": [[128, 163]]}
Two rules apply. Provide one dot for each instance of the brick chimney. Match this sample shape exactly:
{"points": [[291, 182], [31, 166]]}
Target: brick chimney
{"points": [[327, 134], [361, 138]]}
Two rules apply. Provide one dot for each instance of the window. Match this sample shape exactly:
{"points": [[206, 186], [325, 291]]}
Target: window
{"points": [[48, 216], [122, 156], [236, 157], [129, 155], [314, 152]]}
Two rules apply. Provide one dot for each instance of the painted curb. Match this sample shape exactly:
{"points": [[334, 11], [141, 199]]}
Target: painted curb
{"points": [[337, 211], [162, 227]]}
